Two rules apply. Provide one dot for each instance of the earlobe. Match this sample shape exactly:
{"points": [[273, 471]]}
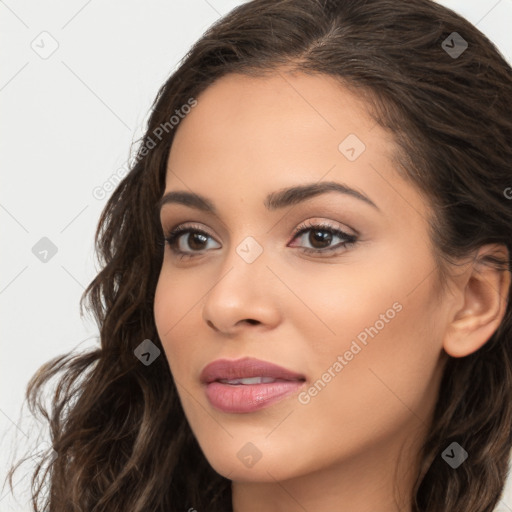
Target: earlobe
{"points": [[485, 295]]}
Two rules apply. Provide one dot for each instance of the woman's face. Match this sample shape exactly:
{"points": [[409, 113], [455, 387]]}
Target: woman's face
{"points": [[362, 323]]}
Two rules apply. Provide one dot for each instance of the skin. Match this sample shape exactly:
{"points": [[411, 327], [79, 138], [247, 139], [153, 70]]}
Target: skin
{"points": [[248, 137]]}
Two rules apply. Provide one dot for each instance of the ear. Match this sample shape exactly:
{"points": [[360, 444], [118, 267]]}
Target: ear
{"points": [[484, 291]]}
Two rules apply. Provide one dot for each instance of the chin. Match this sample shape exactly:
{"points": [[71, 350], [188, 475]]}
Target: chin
{"points": [[250, 461]]}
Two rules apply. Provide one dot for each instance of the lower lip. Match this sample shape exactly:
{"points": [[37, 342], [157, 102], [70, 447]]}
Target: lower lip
{"points": [[242, 398]]}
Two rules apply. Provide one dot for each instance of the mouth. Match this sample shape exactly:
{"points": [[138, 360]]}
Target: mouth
{"points": [[249, 381], [240, 371], [248, 384]]}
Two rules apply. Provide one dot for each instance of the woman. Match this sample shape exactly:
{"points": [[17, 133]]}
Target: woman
{"points": [[249, 360]]}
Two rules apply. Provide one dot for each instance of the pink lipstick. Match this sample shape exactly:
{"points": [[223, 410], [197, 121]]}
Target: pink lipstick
{"points": [[247, 384]]}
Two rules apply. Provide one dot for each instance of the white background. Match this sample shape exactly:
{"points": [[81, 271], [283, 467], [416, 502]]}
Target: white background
{"points": [[68, 124]]}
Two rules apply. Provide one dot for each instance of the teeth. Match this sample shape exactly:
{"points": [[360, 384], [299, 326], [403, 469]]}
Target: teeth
{"points": [[249, 380]]}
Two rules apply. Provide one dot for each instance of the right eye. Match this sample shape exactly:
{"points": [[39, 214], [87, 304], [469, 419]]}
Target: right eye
{"points": [[195, 237]]}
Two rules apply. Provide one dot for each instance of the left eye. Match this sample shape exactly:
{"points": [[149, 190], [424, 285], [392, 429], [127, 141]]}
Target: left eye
{"points": [[317, 234], [320, 234]]}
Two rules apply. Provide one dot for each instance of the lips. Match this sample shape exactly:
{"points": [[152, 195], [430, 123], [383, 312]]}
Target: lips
{"points": [[247, 385], [247, 367]]}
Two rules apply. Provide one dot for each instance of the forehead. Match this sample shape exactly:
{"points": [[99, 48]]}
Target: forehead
{"points": [[257, 109], [258, 134], [290, 119]]}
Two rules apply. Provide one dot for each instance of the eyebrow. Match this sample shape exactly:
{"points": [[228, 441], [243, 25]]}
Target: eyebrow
{"points": [[274, 201]]}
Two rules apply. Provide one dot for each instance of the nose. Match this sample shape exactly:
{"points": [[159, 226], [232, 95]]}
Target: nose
{"points": [[245, 294]]}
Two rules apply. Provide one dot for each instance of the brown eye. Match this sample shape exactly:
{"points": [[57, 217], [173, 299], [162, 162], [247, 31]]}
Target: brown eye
{"points": [[196, 240], [321, 237]]}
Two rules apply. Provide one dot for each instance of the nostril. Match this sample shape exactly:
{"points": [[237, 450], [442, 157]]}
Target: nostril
{"points": [[210, 324], [252, 322]]}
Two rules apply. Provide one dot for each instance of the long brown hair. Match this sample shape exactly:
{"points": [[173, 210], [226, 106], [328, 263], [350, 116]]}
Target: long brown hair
{"points": [[117, 426]]}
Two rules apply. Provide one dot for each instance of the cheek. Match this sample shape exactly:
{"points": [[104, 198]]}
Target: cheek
{"points": [[390, 366], [168, 310], [388, 333], [177, 315], [387, 388]]}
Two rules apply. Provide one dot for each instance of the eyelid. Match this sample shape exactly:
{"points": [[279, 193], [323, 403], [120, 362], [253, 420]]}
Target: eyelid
{"points": [[310, 223], [168, 227]]}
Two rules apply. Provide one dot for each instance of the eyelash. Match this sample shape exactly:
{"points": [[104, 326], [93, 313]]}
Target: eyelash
{"points": [[350, 240]]}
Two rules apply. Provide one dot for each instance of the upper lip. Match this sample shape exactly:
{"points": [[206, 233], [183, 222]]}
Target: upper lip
{"points": [[244, 368]]}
